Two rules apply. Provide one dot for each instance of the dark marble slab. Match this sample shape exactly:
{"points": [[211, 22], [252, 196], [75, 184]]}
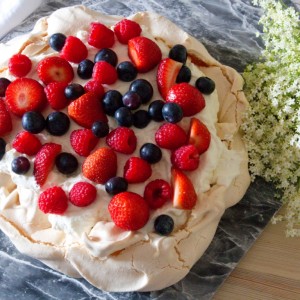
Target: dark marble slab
{"points": [[228, 29]]}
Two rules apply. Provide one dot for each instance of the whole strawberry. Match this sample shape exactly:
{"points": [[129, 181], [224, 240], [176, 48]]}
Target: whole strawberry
{"points": [[82, 194], [26, 143], [5, 119], [83, 141], [137, 170], [126, 30]]}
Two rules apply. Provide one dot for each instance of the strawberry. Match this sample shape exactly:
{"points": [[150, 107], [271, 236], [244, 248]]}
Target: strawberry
{"points": [[126, 30], [25, 94], [122, 139], [100, 36], [82, 194], [74, 50], [53, 201], [184, 194], [86, 110], [5, 119], [144, 53], [170, 136], [56, 69], [185, 158], [55, 93], [83, 141], [27, 143], [100, 166], [167, 72], [129, 211], [19, 65], [104, 73], [157, 193], [137, 170], [199, 135], [95, 87], [188, 97], [44, 162]]}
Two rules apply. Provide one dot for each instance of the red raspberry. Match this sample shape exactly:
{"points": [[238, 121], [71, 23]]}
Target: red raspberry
{"points": [[186, 158], [96, 87], [122, 139], [126, 30], [74, 50], [27, 143], [55, 93], [5, 119], [157, 193], [82, 194], [53, 201], [83, 141], [100, 36], [129, 211], [19, 65], [170, 136], [137, 170], [104, 73]]}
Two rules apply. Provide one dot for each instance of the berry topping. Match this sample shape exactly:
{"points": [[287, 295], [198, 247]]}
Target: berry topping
{"points": [[126, 71], [105, 73], [143, 88], [20, 165], [5, 119], [172, 112], [122, 139], [131, 100], [26, 143], [100, 166], [184, 75], [205, 85], [167, 73], [144, 53], [116, 185], [184, 195], [111, 101], [74, 50], [164, 224], [151, 153], [53, 201], [57, 123], [83, 141], [178, 53], [188, 97], [137, 170], [25, 94], [44, 162], [157, 193], [170, 136], [86, 110], [100, 36], [85, 69], [66, 163], [73, 91], [2, 147], [129, 211], [141, 119], [57, 41], [124, 116], [33, 121], [4, 83], [55, 93], [82, 194], [100, 129], [126, 30], [19, 65], [107, 55], [95, 87], [155, 110], [55, 69], [185, 158]]}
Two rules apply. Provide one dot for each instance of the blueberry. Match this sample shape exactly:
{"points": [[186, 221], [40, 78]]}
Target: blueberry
{"points": [[107, 55], [85, 69], [111, 101], [100, 129], [33, 121], [116, 185], [74, 91], [143, 88], [141, 119], [66, 163], [164, 224], [57, 41], [151, 153], [132, 100], [126, 71], [4, 83], [184, 75], [205, 85], [155, 110], [20, 165], [178, 53], [2, 147], [172, 112], [57, 123], [124, 117]]}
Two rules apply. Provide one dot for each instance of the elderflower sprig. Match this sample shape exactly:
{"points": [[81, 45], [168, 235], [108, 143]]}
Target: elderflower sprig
{"points": [[272, 124]]}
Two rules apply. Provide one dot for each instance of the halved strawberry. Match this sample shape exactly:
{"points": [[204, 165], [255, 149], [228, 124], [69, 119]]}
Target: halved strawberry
{"points": [[184, 194], [199, 135], [44, 162], [27, 143], [86, 110], [83, 141], [5, 119], [25, 94], [167, 72], [144, 53]]}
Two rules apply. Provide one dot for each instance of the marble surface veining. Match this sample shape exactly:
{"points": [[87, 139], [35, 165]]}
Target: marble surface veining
{"points": [[228, 29]]}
